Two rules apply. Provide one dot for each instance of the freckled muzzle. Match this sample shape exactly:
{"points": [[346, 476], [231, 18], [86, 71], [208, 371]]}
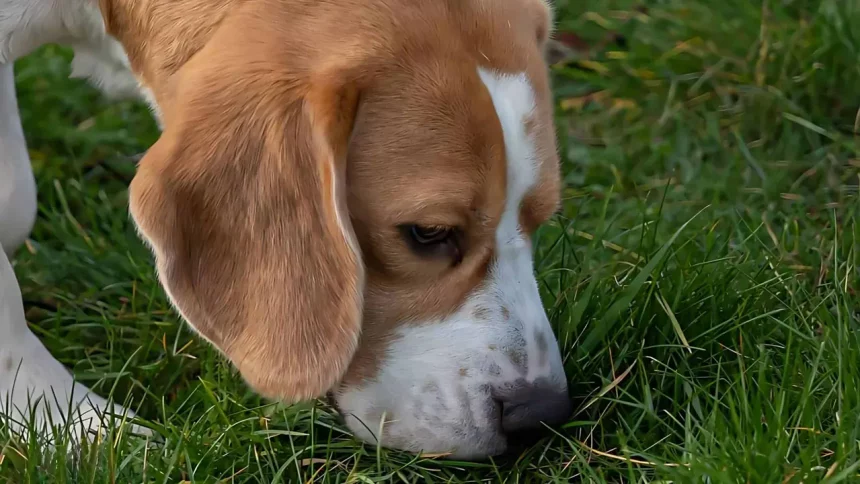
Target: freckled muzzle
{"points": [[470, 388], [473, 425], [487, 379]]}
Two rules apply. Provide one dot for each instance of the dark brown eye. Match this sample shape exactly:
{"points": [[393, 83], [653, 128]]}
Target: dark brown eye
{"points": [[434, 241], [429, 235]]}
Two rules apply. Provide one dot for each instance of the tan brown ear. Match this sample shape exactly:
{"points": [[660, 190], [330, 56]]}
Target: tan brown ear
{"points": [[242, 202]]}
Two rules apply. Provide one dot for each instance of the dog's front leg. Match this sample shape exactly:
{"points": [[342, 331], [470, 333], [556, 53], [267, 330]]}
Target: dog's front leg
{"points": [[17, 187], [32, 382], [35, 388]]}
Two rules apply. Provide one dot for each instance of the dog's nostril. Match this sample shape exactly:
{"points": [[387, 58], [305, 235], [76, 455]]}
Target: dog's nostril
{"points": [[528, 408]]}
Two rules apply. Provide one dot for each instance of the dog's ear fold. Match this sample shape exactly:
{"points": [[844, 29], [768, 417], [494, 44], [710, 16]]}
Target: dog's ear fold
{"points": [[242, 201]]}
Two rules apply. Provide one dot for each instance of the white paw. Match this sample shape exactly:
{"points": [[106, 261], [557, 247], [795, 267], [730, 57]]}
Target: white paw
{"points": [[35, 388], [64, 407]]}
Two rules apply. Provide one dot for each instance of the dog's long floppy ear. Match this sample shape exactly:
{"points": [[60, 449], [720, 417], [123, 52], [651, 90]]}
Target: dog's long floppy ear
{"points": [[242, 201]]}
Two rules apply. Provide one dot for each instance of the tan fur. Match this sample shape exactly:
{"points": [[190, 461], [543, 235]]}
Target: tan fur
{"points": [[280, 115]]}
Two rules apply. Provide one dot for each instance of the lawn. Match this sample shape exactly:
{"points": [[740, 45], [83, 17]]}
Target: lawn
{"points": [[702, 276]]}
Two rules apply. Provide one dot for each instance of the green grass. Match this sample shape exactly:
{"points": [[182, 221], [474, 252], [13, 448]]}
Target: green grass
{"points": [[703, 276]]}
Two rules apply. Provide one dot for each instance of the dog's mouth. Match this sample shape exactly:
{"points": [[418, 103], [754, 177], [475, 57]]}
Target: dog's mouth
{"points": [[331, 401]]}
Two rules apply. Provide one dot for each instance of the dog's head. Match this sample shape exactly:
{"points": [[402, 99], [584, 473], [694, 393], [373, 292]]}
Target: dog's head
{"points": [[342, 200]]}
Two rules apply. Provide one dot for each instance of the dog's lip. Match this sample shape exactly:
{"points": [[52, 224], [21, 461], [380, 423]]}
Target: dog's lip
{"points": [[331, 401], [498, 451]]}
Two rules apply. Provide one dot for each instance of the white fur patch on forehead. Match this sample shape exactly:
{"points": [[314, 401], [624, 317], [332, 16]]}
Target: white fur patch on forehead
{"points": [[512, 278], [514, 100]]}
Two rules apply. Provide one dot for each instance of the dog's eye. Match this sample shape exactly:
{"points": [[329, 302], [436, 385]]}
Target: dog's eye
{"points": [[429, 235], [434, 241]]}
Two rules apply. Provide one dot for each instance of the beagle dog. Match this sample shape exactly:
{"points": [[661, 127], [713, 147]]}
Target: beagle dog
{"points": [[341, 201]]}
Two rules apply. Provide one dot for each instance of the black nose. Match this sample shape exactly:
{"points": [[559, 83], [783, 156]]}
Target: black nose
{"points": [[528, 408]]}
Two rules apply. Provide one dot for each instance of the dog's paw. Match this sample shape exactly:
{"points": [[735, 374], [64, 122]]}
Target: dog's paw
{"points": [[36, 391], [39, 394]]}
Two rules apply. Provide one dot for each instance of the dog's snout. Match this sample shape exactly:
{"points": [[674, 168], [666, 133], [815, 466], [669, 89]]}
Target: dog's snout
{"points": [[528, 408]]}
